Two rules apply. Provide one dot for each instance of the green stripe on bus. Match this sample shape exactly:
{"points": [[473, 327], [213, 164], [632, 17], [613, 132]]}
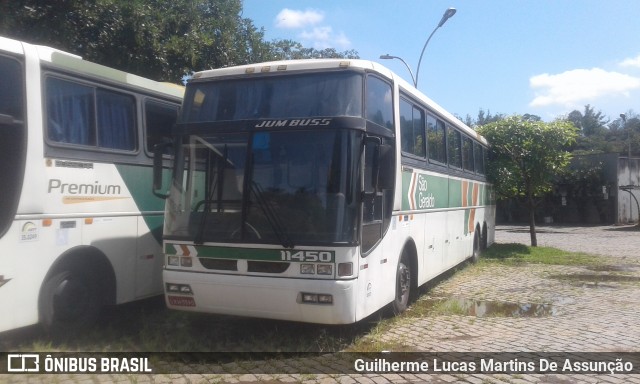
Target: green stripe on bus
{"points": [[423, 191], [230, 253], [139, 179]]}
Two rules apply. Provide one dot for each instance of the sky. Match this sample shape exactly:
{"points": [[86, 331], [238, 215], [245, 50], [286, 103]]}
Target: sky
{"points": [[542, 57]]}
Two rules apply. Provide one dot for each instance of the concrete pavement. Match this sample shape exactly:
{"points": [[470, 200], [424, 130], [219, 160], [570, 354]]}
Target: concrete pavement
{"points": [[501, 308]]}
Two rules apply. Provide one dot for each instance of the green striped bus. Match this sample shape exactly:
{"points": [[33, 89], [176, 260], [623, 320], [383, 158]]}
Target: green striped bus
{"points": [[79, 225], [317, 191]]}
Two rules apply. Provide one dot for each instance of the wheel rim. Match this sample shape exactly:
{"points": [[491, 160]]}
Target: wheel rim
{"points": [[70, 299], [404, 283]]}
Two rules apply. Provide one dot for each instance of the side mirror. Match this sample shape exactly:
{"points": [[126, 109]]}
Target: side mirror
{"points": [[386, 167], [158, 151]]}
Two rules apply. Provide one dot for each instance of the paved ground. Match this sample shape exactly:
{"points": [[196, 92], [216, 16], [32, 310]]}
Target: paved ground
{"points": [[531, 308], [616, 241]]}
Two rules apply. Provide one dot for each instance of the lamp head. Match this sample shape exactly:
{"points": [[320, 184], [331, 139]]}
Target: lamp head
{"points": [[447, 15]]}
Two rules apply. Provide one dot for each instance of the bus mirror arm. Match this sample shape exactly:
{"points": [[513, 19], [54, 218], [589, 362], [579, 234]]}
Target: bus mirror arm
{"points": [[158, 151]]}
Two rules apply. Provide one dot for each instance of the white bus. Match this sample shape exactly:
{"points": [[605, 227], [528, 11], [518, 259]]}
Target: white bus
{"points": [[79, 225], [317, 191]]}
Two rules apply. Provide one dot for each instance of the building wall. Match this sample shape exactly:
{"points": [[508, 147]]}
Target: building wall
{"points": [[572, 204], [628, 175]]}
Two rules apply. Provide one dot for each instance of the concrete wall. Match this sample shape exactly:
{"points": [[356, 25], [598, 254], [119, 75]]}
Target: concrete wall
{"points": [[628, 175]]}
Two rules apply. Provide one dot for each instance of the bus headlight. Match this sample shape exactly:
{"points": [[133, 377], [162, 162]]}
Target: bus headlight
{"points": [[316, 298], [325, 269], [178, 288], [173, 261], [307, 269]]}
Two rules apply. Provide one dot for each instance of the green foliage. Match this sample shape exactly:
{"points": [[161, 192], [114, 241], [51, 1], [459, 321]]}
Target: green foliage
{"points": [[483, 118], [292, 50], [590, 123], [525, 157], [527, 154], [584, 178], [159, 39]]}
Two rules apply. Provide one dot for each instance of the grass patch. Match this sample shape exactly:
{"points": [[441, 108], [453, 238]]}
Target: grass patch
{"points": [[518, 253]]}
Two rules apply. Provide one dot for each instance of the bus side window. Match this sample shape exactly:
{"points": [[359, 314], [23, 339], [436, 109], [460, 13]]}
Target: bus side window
{"points": [[85, 115], [70, 112], [479, 154], [454, 147], [412, 129], [379, 102], [467, 154], [116, 120], [436, 140], [159, 119]]}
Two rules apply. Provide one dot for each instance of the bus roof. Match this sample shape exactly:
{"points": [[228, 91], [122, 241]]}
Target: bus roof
{"points": [[327, 64], [75, 63]]}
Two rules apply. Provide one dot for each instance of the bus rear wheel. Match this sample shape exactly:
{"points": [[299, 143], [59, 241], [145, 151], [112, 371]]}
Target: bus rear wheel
{"points": [[403, 286], [69, 301], [477, 244]]}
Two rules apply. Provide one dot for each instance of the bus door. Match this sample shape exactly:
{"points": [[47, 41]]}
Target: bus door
{"points": [[12, 138]]}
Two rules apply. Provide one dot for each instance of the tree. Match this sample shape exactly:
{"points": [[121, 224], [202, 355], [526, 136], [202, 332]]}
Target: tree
{"points": [[590, 123], [159, 39], [483, 118], [291, 50], [525, 156]]}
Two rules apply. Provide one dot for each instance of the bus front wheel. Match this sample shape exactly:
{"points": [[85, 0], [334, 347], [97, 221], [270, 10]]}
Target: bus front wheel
{"points": [[69, 300], [403, 285]]}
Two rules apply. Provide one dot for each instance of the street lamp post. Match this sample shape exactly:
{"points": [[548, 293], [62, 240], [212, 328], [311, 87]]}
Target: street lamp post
{"points": [[388, 57], [447, 15]]}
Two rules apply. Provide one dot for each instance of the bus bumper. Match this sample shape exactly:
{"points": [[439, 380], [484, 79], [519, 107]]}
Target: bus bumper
{"points": [[263, 297]]}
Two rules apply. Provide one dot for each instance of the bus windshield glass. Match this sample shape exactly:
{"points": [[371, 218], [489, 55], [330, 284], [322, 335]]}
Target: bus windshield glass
{"points": [[288, 187], [291, 96]]}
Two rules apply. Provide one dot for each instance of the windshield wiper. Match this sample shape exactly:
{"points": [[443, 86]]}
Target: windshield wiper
{"points": [[272, 216]]}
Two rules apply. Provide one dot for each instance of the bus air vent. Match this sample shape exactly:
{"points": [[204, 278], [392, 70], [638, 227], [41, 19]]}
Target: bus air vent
{"points": [[219, 264]]}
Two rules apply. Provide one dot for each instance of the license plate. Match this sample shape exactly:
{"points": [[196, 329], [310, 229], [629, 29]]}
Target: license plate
{"points": [[181, 301]]}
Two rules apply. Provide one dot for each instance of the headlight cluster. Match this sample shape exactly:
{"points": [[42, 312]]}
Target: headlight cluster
{"points": [[316, 298], [344, 269], [178, 288], [178, 261], [319, 269]]}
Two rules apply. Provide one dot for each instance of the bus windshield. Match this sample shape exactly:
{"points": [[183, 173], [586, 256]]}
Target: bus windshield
{"points": [[276, 187], [292, 96]]}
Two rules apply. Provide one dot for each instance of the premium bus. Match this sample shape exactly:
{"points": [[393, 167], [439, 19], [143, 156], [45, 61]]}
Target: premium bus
{"points": [[79, 225], [317, 191]]}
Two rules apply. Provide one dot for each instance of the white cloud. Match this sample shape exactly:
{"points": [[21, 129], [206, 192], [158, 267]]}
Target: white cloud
{"points": [[292, 19], [314, 32], [631, 62], [317, 34], [573, 88]]}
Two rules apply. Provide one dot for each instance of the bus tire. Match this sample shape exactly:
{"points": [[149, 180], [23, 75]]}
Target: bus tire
{"points": [[403, 285], [477, 244], [483, 242], [70, 300]]}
